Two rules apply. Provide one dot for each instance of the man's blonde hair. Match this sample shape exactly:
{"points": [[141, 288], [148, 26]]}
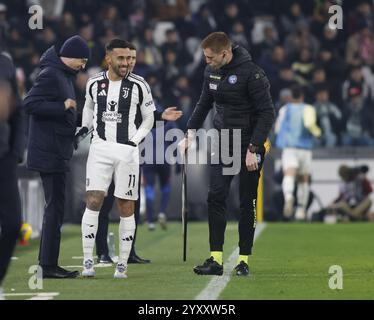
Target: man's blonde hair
{"points": [[216, 41]]}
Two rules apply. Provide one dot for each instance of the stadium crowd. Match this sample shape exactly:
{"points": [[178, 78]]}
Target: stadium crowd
{"points": [[289, 39]]}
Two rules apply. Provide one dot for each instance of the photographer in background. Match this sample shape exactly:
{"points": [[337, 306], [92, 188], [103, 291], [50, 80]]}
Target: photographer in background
{"points": [[353, 201]]}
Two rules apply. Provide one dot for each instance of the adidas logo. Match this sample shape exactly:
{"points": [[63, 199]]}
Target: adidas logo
{"points": [[129, 193], [102, 93], [90, 236], [130, 238]]}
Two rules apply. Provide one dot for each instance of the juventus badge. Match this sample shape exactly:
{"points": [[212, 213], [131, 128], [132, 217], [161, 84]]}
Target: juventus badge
{"points": [[125, 92]]}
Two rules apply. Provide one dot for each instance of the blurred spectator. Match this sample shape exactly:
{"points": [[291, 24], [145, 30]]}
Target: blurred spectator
{"points": [[301, 38], [238, 36], [286, 79], [174, 44], [360, 46], [45, 39], [359, 124], [269, 41], [142, 68], [321, 17], [272, 62], [355, 80], [151, 51], [292, 18], [205, 21], [97, 51], [329, 117], [303, 67], [20, 48], [67, 26], [165, 10], [362, 13]]}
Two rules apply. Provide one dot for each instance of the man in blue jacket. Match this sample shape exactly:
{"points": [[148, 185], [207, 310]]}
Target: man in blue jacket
{"points": [[52, 109], [11, 151]]}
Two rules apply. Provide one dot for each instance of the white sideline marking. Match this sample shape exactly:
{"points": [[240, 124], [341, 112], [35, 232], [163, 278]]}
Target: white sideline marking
{"points": [[218, 283], [34, 296]]}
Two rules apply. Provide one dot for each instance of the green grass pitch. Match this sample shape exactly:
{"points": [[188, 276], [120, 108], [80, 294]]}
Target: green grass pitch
{"points": [[290, 261]]}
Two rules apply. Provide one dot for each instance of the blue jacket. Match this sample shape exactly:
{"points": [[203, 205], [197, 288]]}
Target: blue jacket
{"points": [[51, 128], [11, 131]]}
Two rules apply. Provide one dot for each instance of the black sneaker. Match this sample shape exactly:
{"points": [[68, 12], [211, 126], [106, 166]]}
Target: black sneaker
{"points": [[105, 259], [242, 269], [209, 267]]}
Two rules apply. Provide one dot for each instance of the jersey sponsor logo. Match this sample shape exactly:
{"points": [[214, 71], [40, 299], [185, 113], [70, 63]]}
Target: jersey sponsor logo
{"points": [[125, 92], [213, 86], [102, 93], [111, 117], [112, 105], [212, 76], [149, 103], [233, 79]]}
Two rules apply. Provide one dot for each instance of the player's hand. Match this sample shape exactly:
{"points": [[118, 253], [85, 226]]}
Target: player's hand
{"points": [[70, 103], [79, 136], [251, 161], [171, 114], [184, 144]]}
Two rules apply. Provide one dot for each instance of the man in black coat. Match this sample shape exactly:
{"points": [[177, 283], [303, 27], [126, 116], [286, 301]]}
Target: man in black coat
{"points": [[52, 109], [11, 152], [240, 92]]}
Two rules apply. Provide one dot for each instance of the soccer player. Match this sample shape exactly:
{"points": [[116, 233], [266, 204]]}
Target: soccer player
{"points": [[240, 91], [296, 129], [114, 99], [102, 250]]}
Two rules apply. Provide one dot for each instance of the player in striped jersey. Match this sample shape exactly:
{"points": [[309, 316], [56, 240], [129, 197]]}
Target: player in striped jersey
{"points": [[114, 101]]}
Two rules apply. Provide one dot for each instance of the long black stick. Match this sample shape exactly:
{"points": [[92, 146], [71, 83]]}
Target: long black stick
{"points": [[184, 206]]}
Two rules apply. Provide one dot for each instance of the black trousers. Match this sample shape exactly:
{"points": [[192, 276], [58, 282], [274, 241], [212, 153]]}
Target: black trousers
{"points": [[10, 211], [102, 230], [54, 193], [218, 190]]}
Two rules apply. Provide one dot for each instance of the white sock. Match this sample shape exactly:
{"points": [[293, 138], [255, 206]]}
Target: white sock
{"points": [[126, 236], [288, 185], [90, 223], [302, 195]]}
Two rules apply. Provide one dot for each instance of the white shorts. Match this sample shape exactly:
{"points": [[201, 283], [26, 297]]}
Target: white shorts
{"points": [[300, 159], [109, 160]]}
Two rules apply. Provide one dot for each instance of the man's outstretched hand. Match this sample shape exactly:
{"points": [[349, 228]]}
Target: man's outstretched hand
{"points": [[171, 114]]}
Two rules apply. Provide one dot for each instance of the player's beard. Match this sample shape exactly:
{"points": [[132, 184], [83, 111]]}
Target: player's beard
{"points": [[118, 72]]}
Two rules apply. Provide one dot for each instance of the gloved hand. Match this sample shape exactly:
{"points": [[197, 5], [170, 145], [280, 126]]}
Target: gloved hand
{"points": [[79, 136]]}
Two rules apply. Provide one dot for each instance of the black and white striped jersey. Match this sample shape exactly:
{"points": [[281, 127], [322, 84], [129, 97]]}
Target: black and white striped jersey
{"points": [[114, 107]]}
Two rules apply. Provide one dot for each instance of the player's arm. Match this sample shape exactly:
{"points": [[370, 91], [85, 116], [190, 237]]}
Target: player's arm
{"points": [[203, 106], [147, 109], [87, 116], [88, 109], [259, 93], [310, 121]]}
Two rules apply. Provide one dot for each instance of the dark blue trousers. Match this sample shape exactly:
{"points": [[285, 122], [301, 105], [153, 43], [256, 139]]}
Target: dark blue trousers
{"points": [[54, 192]]}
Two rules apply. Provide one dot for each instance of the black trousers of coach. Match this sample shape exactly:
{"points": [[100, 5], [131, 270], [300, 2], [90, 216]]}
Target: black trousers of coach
{"points": [[10, 211], [54, 193], [219, 187]]}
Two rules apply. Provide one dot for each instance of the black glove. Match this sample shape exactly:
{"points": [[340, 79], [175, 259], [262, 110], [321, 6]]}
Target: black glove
{"points": [[79, 136]]}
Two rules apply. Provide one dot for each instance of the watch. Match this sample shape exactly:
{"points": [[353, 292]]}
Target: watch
{"points": [[252, 148]]}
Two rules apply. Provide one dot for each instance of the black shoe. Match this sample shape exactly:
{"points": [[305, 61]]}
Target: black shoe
{"points": [[58, 273], [104, 258], [242, 269], [136, 259], [209, 267]]}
